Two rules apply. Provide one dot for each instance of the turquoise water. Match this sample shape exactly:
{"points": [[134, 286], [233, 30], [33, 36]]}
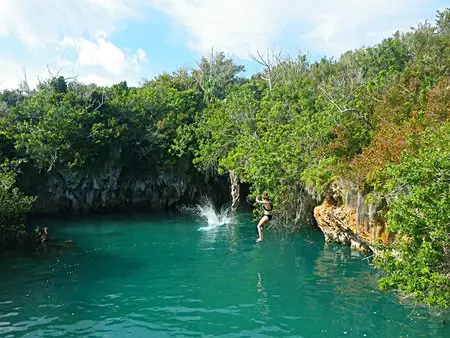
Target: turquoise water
{"points": [[159, 276]]}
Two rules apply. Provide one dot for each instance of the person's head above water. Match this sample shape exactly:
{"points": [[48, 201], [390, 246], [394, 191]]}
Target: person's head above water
{"points": [[265, 195]]}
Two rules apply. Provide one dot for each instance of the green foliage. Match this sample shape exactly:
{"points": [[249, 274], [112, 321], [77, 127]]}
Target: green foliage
{"points": [[14, 206], [320, 175], [417, 192], [443, 21], [216, 75]]}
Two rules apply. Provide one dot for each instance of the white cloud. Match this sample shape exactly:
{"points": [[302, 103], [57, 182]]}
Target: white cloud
{"points": [[12, 73], [41, 22], [64, 34], [320, 26], [104, 54], [50, 32], [9, 71], [95, 78], [100, 62], [138, 58], [233, 26]]}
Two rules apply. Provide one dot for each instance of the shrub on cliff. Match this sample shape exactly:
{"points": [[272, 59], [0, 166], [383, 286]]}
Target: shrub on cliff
{"points": [[14, 206], [418, 194]]}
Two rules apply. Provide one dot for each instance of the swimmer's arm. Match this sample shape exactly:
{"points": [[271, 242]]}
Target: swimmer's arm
{"points": [[259, 201]]}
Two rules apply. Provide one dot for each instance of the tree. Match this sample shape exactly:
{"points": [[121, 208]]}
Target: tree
{"points": [[14, 206], [215, 75], [269, 61], [418, 196]]}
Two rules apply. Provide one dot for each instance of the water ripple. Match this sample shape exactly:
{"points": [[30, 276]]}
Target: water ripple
{"points": [[163, 278]]}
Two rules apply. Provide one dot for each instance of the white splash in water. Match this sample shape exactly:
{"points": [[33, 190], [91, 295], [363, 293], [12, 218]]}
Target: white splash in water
{"points": [[206, 212]]}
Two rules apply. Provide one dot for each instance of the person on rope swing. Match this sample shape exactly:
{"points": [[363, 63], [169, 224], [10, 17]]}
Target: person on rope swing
{"points": [[267, 216]]}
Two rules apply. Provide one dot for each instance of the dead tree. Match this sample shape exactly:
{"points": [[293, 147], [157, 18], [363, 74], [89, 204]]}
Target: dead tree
{"points": [[269, 61]]}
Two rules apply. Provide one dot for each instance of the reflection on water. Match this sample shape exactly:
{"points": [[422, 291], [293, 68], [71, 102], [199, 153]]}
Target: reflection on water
{"points": [[262, 303], [228, 234]]}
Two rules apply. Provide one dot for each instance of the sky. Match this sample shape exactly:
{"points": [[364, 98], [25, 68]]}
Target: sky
{"points": [[108, 41]]}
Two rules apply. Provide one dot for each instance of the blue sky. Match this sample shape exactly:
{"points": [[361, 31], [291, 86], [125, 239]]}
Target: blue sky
{"points": [[107, 41]]}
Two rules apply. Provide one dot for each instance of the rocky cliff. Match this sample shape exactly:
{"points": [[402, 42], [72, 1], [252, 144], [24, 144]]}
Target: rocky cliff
{"points": [[345, 217], [112, 188]]}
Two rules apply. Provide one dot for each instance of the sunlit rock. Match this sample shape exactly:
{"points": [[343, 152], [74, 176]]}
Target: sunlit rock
{"points": [[345, 217]]}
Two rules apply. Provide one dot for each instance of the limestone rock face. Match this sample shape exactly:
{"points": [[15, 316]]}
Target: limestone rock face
{"points": [[345, 218], [77, 192]]}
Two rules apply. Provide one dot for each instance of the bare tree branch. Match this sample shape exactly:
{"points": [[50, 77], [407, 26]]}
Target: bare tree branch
{"points": [[99, 105], [269, 61], [358, 115], [24, 87]]}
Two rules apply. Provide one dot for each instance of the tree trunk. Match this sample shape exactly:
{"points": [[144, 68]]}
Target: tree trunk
{"points": [[234, 183]]}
